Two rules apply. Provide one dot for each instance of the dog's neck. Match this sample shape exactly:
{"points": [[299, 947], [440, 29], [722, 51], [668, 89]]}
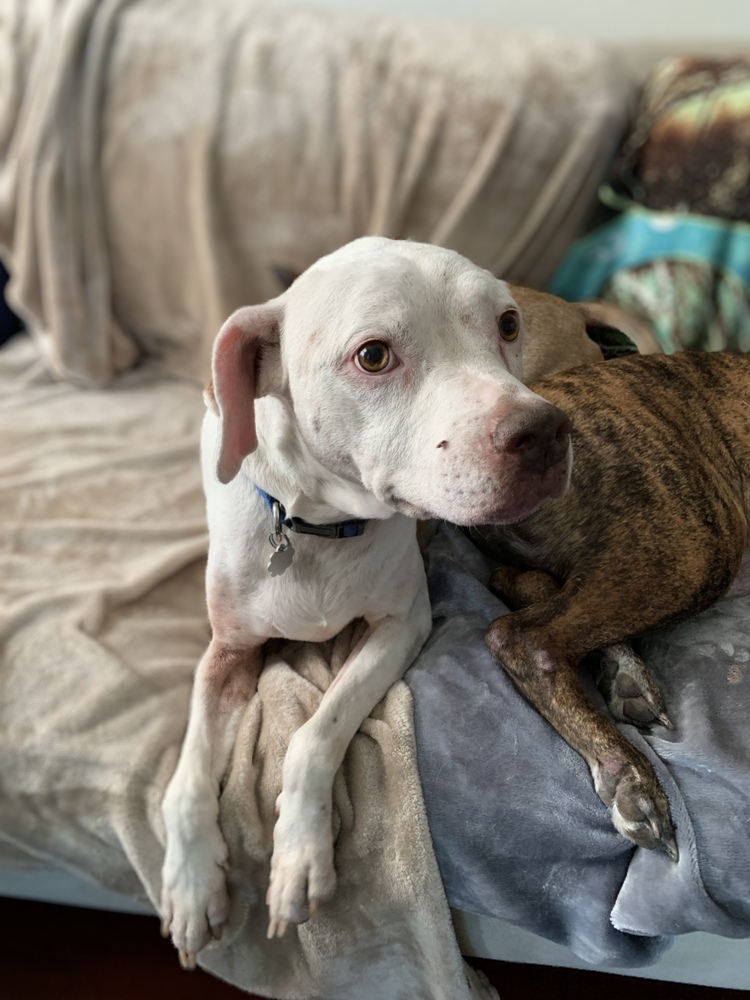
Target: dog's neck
{"points": [[283, 466]]}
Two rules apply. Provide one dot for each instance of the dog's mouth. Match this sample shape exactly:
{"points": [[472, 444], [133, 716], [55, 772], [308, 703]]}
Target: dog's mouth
{"points": [[531, 493], [535, 468], [497, 506], [502, 501]]}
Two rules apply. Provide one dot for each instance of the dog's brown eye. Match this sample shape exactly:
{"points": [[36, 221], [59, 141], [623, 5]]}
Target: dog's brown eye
{"points": [[509, 325], [373, 357]]}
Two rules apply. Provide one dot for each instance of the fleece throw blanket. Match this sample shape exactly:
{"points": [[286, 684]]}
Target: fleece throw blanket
{"points": [[158, 158], [518, 829]]}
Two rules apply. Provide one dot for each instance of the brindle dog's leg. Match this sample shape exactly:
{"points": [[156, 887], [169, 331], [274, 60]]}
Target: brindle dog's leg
{"points": [[520, 588], [630, 691], [541, 648]]}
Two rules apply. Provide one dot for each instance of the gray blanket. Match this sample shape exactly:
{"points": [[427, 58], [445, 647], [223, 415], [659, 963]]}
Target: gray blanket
{"points": [[519, 832]]}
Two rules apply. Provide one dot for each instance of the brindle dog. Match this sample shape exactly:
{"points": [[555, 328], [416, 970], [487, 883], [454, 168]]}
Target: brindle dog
{"points": [[652, 530]]}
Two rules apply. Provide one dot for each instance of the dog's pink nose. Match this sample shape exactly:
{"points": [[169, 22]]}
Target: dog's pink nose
{"points": [[538, 439]]}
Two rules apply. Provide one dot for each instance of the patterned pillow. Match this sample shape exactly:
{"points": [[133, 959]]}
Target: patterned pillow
{"points": [[676, 255], [690, 148]]}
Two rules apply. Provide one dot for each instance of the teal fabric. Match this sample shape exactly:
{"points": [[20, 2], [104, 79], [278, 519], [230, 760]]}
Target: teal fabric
{"points": [[688, 275]]}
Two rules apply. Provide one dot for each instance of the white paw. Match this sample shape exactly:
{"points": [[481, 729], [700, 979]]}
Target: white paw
{"points": [[302, 873], [194, 898]]}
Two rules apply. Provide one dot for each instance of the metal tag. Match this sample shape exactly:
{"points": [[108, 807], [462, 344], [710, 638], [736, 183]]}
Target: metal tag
{"points": [[283, 552], [281, 559]]}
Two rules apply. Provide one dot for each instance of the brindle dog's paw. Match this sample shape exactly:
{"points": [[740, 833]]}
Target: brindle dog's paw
{"points": [[640, 809], [629, 689]]}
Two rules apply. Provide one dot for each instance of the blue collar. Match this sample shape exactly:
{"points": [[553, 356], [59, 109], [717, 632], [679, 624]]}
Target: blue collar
{"points": [[340, 529]]}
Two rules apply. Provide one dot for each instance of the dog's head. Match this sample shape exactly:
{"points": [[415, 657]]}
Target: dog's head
{"points": [[400, 364]]}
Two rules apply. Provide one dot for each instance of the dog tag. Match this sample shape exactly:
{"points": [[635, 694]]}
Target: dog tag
{"points": [[281, 559]]}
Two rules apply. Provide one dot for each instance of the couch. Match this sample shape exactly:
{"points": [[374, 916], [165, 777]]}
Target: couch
{"points": [[160, 164]]}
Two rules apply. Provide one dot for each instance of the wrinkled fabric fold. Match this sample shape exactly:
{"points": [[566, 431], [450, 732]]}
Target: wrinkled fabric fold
{"points": [[159, 158]]}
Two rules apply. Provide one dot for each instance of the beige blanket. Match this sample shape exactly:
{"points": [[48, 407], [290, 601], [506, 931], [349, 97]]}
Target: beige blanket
{"points": [[102, 546], [157, 157]]}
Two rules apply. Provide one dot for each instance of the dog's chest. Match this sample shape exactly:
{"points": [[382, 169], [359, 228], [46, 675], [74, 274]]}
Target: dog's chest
{"points": [[328, 583]]}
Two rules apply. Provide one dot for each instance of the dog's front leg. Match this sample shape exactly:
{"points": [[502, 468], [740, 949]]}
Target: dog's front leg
{"points": [[534, 647], [194, 900], [302, 872]]}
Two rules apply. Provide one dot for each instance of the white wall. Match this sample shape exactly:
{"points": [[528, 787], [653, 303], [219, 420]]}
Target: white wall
{"points": [[605, 20]]}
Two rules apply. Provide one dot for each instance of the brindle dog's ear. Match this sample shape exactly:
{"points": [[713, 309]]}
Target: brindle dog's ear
{"points": [[611, 342], [284, 275], [618, 332], [554, 337]]}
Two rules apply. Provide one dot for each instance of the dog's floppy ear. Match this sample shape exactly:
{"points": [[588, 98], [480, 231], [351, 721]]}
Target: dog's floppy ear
{"points": [[235, 375]]}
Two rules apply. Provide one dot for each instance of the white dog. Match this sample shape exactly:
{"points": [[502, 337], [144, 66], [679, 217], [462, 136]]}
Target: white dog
{"points": [[382, 387]]}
